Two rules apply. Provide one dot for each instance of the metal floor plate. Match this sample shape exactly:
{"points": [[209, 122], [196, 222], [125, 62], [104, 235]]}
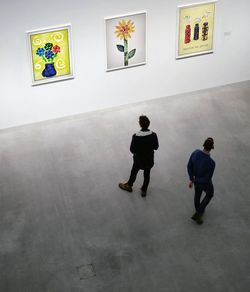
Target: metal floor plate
{"points": [[86, 271]]}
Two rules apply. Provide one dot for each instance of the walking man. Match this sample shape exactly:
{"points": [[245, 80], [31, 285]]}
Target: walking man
{"points": [[200, 170], [142, 146]]}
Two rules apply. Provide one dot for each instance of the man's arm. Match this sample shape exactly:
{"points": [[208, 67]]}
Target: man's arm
{"points": [[132, 145], [190, 169], [156, 142]]}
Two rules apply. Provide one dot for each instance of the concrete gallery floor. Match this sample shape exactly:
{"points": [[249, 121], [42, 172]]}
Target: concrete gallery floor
{"points": [[66, 226]]}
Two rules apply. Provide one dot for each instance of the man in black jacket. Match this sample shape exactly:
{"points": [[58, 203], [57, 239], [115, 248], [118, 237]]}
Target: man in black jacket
{"points": [[142, 146]]}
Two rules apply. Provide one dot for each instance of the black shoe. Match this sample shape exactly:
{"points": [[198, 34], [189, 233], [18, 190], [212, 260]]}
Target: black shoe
{"points": [[197, 217], [199, 221], [143, 193]]}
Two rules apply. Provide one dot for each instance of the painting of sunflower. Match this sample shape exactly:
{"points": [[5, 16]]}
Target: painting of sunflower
{"points": [[126, 41], [123, 31]]}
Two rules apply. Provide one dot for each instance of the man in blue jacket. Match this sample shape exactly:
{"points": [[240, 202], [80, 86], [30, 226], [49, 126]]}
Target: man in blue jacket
{"points": [[200, 170], [142, 146]]}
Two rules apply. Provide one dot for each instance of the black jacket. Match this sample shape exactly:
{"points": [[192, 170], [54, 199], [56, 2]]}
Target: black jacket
{"points": [[142, 146]]}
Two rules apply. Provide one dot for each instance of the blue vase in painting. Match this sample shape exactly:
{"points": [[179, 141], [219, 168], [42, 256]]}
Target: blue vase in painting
{"points": [[49, 70]]}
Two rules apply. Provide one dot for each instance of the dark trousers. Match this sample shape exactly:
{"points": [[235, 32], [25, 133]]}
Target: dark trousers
{"points": [[133, 174], [201, 205]]}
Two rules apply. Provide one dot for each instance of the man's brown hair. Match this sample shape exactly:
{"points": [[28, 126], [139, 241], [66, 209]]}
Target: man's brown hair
{"points": [[144, 122], [209, 144]]}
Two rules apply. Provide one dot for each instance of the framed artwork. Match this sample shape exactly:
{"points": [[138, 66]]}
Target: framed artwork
{"points": [[50, 54], [195, 33], [126, 41]]}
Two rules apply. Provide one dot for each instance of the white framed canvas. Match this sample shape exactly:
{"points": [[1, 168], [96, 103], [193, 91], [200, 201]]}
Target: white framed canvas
{"points": [[195, 29], [50, 54], [125, 41]]}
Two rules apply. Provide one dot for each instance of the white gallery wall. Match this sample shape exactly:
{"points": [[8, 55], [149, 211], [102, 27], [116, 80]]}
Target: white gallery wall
{"points": [[93, 88]]}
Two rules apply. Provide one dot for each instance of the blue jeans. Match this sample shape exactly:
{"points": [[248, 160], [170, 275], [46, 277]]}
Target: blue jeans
{"points": [[199, 188]]}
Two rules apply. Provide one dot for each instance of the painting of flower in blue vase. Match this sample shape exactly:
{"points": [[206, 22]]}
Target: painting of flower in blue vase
{"points": [[50, 55]]}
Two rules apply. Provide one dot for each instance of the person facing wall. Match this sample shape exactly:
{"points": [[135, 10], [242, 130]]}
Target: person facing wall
{"points": [[142, 147]]}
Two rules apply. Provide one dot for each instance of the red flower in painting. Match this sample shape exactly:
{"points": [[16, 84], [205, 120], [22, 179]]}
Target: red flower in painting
{"points": [[56, 49]]}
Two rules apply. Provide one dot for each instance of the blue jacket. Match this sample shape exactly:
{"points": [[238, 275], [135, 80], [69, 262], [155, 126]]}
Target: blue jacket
{"points": [[200, 167]]}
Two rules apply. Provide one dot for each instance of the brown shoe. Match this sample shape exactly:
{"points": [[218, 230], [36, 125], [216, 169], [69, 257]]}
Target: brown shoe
{"points": [[125, 187]]}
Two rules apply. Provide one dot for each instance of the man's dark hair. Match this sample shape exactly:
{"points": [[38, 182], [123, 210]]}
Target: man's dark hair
{"points": [[144, 122], [209, 144]]}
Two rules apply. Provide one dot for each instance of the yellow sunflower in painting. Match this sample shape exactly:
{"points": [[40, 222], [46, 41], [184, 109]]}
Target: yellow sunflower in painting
{"points": [[123, 32], [124, 29]]}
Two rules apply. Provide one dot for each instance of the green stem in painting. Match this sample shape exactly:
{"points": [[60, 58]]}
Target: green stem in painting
{"points": [[54, 57], [125, 52]]}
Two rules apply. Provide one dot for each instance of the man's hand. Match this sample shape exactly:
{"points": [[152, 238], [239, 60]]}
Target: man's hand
{"points": [[190, 185]]}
